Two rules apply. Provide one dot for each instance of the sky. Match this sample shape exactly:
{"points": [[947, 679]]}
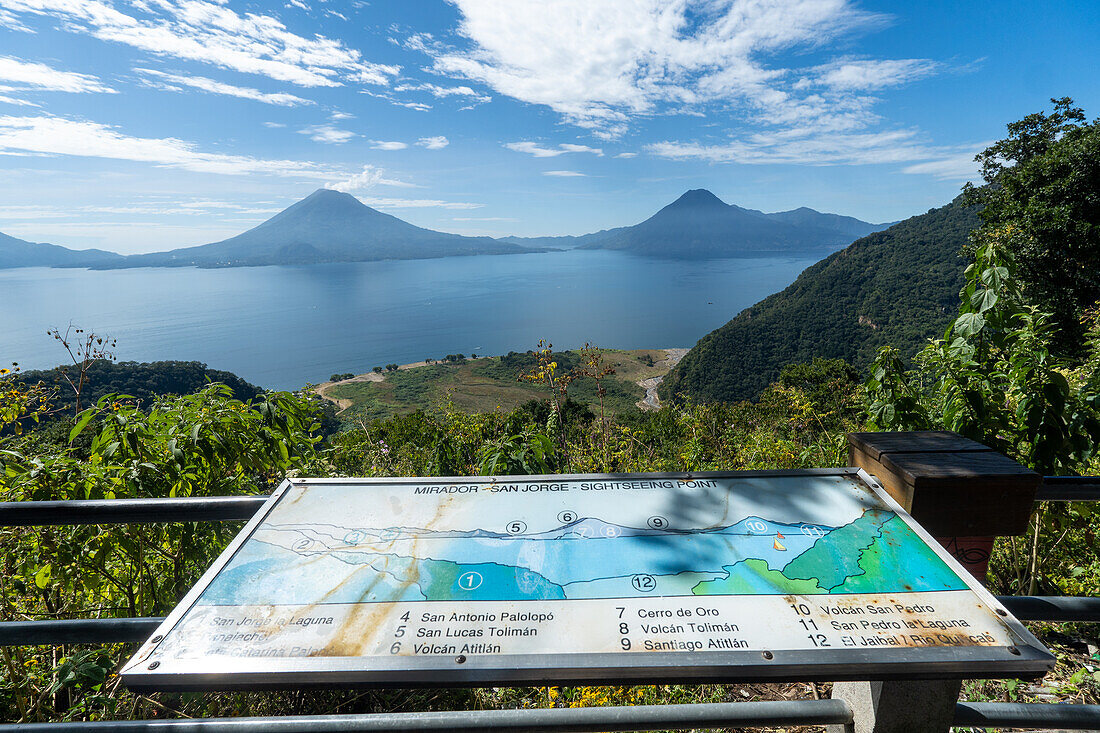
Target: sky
{"points": [[144, 125]]}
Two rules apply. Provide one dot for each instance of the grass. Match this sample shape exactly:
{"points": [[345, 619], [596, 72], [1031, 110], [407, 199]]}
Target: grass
{"points": [[492, 383]]}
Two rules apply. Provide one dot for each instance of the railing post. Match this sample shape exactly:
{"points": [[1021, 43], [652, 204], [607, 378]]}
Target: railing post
{"points": [[910, 706], [965, 495], [962, 492]]}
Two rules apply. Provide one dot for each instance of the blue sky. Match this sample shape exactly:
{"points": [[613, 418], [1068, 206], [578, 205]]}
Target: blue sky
{"points": [[151, 124]]}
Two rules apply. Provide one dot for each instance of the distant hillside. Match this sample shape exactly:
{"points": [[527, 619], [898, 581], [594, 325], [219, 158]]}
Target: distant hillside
{"points": [[845, 226], [898, 287], [141, 380], [330, 226], [19, 253], [699, 225], [326, 226], [490, 384]]}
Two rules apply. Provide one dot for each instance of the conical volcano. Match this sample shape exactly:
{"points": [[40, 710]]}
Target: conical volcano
{"points": [[326, 226]]}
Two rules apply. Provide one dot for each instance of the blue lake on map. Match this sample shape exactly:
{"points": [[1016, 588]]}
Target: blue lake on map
{"points": [[875, 553], [281, 327]]}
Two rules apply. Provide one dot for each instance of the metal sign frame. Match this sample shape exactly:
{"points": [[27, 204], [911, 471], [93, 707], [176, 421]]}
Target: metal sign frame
{"points": [[1028, 658]]}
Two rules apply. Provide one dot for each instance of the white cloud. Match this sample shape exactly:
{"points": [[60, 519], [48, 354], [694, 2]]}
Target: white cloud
{"points": [[210, 33], [167, 81], [803, 147], [4, 99], [810, 147], [627, 155], [9, 21], [563, 174], [274, 125], [388, 145], [337, 116], [418, 106], [539, 151], [327, 134], [601, 65], [872, 74], [387, 203], [41, 76], [50, 135], [297, 4], [187, 208], [433, 143], [483, 218], [958, 167], [369, 177], [571, 148], [440, 92]]}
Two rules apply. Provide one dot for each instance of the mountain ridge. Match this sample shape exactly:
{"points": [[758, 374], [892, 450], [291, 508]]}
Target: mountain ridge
{"points": [[333, 226], [326, 226], [899, 286], [16, 252], [699, 225]]}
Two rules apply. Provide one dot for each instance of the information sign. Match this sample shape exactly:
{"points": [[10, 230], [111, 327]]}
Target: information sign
{"points": [[628, 578]]}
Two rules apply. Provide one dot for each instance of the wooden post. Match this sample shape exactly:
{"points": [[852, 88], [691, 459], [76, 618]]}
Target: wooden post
{"points": [[962, 492], [965, 495]]}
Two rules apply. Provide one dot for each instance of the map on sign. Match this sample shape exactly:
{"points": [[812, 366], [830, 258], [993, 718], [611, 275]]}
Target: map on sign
{"points": [[425, 580]]}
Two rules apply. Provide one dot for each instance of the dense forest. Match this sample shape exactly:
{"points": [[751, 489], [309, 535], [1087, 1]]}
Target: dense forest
{"points": [[899, 286], [141, 381], [1008, 372]]}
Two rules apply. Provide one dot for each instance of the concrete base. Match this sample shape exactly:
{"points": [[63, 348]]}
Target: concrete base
{"points": [[919, 706]]}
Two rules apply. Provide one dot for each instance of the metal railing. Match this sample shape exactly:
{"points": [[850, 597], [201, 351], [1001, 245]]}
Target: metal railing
{"points": [[1069, 488], [652, 717]]}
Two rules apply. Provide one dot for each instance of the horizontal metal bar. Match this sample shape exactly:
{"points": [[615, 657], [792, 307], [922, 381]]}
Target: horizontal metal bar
{"points": [[128, 511], [1069, 488], [1052, 608], [1046, 716], [77, 631], [559, 720], [111, 630]]}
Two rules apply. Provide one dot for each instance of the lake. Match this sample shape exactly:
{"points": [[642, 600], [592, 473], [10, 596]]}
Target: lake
{"points": [[281, 327]]}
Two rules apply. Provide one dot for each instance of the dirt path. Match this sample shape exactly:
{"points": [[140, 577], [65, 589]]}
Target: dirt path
{"points": [[323, 388], [651, 401]]}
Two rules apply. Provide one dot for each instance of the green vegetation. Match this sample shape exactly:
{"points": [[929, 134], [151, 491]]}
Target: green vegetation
{"points": [[140, 381], [896, 287], [491, 383], [210, 443], [998, 374], [994, 377], [1043, 182]]}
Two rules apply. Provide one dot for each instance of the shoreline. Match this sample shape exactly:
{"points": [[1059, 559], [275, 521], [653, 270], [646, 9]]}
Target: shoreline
{"points": [[650, 402]]}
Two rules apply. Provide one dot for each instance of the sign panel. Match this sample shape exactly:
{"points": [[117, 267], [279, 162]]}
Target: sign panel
{"points": [[632, 578]]}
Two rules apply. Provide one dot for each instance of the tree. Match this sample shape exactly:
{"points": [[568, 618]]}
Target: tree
{"points": [[377, 370], [84, 349], [995, 378], [1044, 180]]}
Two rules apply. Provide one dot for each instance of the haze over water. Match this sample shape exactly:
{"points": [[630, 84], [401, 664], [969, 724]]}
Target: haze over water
{"points": [[280, 327]]}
